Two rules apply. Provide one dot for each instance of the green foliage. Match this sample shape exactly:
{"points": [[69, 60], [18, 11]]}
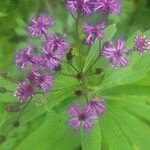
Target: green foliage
{"points": [[125, 125]]}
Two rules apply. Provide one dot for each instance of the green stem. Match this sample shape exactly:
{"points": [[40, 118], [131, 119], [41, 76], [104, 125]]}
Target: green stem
{"points": [[84, 89], [77, 37]]}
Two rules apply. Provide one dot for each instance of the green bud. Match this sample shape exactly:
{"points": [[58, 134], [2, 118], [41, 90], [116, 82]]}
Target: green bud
{"points": [[16, 124], [12, 108], [3, 90], [78, 92]]}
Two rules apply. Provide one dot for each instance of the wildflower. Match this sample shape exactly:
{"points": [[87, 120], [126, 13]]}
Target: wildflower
{"points": [[115, 54], [24, 57], [108, 6], [94, 32], [97, 106], [56, 43], [44, 82], [24, 91], [141, 44], [80, 119], [39, 26], [82, 6]]}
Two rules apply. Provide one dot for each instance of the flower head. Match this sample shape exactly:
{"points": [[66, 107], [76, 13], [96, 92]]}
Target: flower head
{"points": [[141, 43], [94, 32], [115, 53], [39, 26], [55, 43], [97, 106], [81, 119], [108, 6], [84, 6], [24, 57], [24, 91], [44, 82]]}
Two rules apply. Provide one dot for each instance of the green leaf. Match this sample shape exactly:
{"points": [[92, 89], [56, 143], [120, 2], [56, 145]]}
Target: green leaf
{"points": [[91, 140], [134, 130], [92, 55], [51, 132], [113, 135], [109, 32]]}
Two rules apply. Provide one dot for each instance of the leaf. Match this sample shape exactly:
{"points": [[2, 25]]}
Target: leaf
{"points": [[49, 134], [92, 139], [109, 32], [135, 131], [112, 133], [92, 55]]}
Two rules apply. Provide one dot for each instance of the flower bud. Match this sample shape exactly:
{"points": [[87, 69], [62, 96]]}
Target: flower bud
{"points": [[79, 76], [12, 108], [69, 56], [4, 74], [78, 92], [98, 71], [3, 90], [16, 124]]}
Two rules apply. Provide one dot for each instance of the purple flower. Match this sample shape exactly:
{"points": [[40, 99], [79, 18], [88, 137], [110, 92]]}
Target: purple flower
{"points": [[82, 6], [115, 54], [49, 59], [97, 106], [24, 57], [55, 43], [39, 26], [108, 6], [94, 32], [24, 91], [44, 82], [141, 43], [80, 119]]}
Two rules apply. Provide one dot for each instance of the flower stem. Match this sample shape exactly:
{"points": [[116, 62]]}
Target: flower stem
{"points": [[84, 88], [77, 37]]}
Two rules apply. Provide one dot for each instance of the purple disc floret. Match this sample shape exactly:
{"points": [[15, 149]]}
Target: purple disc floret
{"points": [[39, 26], [94, 32], [24, 57], [79, 118], [108, 6], [54, 43], [97, 105], [25, 91], [141, 44], [81, 6], [43, 81], [115, 53]]}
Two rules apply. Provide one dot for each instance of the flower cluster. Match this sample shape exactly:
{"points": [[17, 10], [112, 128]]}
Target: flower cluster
{"points": [[40, 66], [86, 118], [88, 7]]}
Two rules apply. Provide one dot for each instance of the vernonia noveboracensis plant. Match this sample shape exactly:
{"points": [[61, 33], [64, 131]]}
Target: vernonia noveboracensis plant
{"points": [[83, 62]]}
